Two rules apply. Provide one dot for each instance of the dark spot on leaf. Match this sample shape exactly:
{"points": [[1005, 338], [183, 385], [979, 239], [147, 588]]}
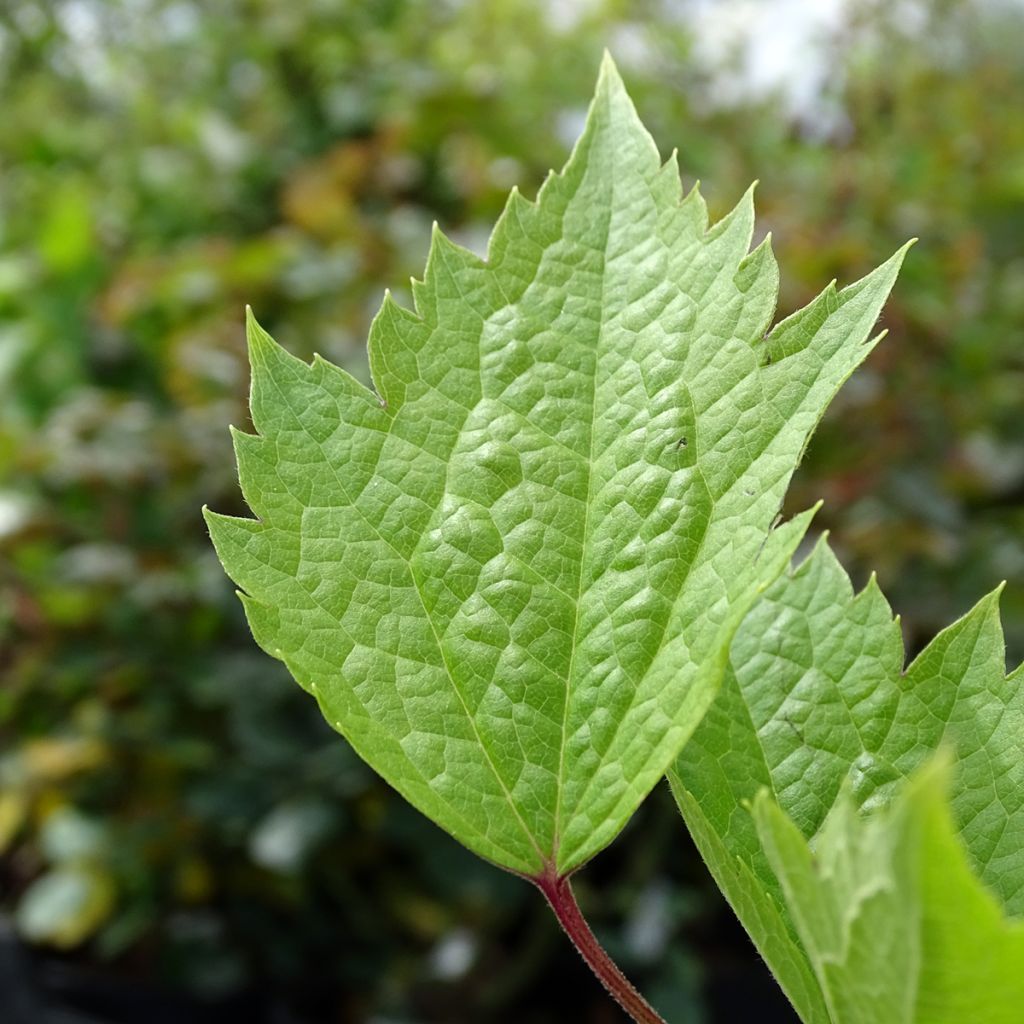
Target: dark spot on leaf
{"points": [[799, 734]]}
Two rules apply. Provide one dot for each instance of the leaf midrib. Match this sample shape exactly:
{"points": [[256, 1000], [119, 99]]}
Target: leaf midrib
{"points": [[585, 534]]}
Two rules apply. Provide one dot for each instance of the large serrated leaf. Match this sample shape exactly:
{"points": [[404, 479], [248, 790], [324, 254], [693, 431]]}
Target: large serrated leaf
{"points": [[817, 714], [510, 576]]}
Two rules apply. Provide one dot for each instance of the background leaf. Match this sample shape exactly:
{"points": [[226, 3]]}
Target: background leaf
{"points": [[817, 710], [895, 922]]}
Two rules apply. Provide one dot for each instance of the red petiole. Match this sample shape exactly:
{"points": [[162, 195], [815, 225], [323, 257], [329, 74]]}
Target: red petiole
{"points": [[558, 892]]}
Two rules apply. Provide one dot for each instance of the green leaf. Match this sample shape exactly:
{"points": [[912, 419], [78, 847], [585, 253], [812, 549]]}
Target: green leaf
{"points": [[511, 574], [894, 920], [817, 712]]}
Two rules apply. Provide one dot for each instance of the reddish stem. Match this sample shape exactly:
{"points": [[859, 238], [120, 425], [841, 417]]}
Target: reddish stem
{"points": [[559, 894]]}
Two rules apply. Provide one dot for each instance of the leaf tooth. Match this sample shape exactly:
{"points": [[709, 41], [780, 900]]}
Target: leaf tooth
{"points": [[757, 277], [822, 566], [448, 265], [552, 182], [265, 490], [667, 185], [515, 227], [880, 280], [253, 467], [873, 342], [809, 327], [240, 546], [735, 230], [277, 373], [288, 392], [448, 254], [762, 253], [981, 628], [781, 543], [695, 209], [267, 359], [797, 331], [392, 346], [804, 328], [823, 570], [872, 594]]}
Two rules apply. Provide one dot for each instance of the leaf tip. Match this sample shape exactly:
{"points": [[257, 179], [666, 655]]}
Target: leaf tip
{"points": [[608, 77], [886, 273], [259, 341], [895, 261], [746, 202]]}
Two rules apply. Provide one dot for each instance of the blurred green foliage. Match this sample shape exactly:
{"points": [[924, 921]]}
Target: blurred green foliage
{"points": [[171, 809]]}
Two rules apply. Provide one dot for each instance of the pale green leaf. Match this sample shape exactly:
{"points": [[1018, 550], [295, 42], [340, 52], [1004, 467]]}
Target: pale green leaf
{"points": [[896, 924], [817, 712], [511, 574]]}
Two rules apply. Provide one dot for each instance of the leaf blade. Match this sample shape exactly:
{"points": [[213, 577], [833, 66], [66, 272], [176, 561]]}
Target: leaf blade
{"points": [[898, 925], [510, 577]]}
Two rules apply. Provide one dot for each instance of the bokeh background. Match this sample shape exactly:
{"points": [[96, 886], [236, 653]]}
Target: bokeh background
{"points": [[181, 838]]}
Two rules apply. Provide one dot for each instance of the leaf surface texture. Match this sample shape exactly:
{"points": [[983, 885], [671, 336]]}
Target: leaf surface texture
{"points": [[511, 573]]}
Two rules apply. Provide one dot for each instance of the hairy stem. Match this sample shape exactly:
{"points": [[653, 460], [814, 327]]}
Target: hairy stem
{"points": [[559, 894]]}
